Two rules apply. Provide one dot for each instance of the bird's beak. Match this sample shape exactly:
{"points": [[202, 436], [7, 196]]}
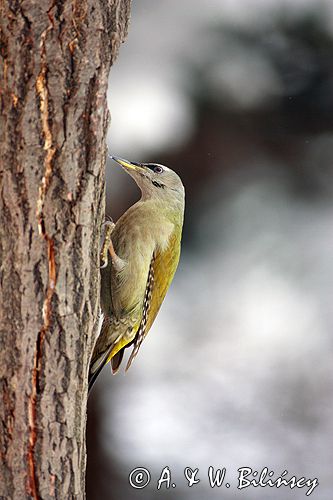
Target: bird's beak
{"points": [[128, 164]]}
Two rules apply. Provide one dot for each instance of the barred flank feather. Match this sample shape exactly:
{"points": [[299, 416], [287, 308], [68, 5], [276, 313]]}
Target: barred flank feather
{"points": [[146, 306]]}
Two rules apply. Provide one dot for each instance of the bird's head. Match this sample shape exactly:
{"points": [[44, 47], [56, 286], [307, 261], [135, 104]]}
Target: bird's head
{"points": [[154, 180]]}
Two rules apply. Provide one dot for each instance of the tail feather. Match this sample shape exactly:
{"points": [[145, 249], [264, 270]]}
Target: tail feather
{"points": [[110, 335], [116, 360], [96, 368], [93, 377]]}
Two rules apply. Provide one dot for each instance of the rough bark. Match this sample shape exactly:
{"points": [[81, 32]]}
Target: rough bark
{"points": [[55, 61]]}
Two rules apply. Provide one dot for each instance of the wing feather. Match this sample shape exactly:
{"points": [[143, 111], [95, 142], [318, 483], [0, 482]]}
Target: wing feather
{"points": [[161, 272]]}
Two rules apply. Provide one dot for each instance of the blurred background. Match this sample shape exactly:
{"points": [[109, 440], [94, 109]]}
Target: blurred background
{"points": [[237, 97]]}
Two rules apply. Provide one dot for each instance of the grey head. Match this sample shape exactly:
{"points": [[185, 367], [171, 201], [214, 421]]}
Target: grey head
{"points": [[154, 180]]}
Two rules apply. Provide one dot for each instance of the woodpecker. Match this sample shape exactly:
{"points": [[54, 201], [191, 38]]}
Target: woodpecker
{"points": [[144, 249]]}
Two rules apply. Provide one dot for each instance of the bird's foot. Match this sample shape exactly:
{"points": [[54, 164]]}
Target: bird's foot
{"points": [[108, 227]]}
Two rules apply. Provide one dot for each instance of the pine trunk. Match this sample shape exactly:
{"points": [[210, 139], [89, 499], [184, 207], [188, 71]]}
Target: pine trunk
{"points": [[55, 61]]}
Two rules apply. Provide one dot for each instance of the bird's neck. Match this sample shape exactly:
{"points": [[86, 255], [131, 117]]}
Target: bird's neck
{"points": [[171, 209]]}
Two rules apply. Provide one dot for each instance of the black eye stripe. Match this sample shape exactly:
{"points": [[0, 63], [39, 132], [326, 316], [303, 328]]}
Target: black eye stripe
{"points": [[157, 184]]}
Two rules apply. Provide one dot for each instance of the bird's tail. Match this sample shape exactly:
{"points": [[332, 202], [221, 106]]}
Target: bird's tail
{"points": [[100, 356], [96, 368]]}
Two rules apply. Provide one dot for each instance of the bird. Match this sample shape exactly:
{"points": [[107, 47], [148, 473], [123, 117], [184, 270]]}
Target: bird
{"points": [[144, 249]]}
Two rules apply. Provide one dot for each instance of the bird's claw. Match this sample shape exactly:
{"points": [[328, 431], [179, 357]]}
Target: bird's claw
{"points": [[108, 227]]}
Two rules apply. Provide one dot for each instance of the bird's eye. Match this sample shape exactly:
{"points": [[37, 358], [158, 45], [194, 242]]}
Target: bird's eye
{"points": [[158, 169]]}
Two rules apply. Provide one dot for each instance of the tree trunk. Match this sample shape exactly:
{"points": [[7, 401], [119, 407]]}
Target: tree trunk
{"points": [[55, 61]]}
